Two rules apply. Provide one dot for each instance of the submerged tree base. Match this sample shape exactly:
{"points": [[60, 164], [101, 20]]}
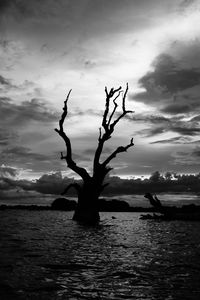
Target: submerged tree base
{"points": [[89, 217]]}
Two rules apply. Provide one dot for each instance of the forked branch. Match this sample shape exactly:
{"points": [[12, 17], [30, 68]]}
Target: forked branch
{"points": [[76, 186], [109, 124], [118, 150], [68, 157]]}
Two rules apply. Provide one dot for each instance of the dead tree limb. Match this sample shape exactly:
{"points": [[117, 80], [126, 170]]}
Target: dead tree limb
{"points": [[68, 157], [76, 186], [108, 124], [118, 150]]}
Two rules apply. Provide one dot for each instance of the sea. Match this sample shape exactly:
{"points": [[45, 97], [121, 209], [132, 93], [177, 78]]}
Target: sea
{"points": [[46, 255]]}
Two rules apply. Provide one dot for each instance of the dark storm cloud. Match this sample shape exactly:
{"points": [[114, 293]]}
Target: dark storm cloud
{"points": [[20, 114], [85, 17], [174, 109], [173, 85], [184, 130], [4, 4], [52, 183], [169, 76], [167, 79], [21, 153]]}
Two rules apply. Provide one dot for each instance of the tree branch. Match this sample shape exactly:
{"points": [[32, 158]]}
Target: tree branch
{"points": [[70, 162], [109, 95], [124, 111], [124, 98], [107, 122], [76, 186], [115, 107], [118, 150]]}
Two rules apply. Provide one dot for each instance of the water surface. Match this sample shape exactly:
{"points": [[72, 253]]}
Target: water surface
{"points": [[46, 255]]}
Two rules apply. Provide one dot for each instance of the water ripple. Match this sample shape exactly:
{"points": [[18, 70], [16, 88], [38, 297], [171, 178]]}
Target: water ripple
{"points": [[46, 255]]}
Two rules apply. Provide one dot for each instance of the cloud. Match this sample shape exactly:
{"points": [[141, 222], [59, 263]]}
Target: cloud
{"points": [[173, 84], [185, 4], [12, 52], [7, 86], [24, 157], [53, 183], [19, 152], [148, 118], [4, 4], [154, 131], [7, 171], [174, 140], [7, 136], [195, 119], [77, 112], [169, 76], [28, 161], [177, 108], [4, 81], [26, 126], [190, 158], [25, 112], [176, 124], [196, 152], [185, 130]]}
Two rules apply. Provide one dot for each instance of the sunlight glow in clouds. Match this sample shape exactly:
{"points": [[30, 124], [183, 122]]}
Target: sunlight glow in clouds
{"points": [[49, 47]]}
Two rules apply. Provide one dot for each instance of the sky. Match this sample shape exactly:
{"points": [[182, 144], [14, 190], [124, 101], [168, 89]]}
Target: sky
{"points": [[49, 47]]}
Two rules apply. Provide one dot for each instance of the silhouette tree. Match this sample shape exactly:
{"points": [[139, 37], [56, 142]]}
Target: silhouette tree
{"points": [[93, 185], [168, 176], [155, 177]]}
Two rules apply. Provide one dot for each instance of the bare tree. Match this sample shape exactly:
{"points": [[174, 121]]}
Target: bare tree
{"points": [[93, 185]]}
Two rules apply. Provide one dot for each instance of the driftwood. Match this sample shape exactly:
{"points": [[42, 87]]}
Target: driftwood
{"points": [[186, 212]]}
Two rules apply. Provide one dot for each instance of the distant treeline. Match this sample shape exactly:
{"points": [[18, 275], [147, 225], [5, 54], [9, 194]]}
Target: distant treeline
{"points": [[156, 183], [55, 184]]}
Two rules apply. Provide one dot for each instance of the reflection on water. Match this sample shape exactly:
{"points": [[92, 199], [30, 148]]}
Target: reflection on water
{"points": [[46, 255]]}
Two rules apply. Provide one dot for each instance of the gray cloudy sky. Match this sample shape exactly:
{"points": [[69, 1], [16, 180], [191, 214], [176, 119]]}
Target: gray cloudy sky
{"points": [[48, 47]]}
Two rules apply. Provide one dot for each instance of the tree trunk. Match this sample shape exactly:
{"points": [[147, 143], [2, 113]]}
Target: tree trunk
{"points": [[87, 209]]}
